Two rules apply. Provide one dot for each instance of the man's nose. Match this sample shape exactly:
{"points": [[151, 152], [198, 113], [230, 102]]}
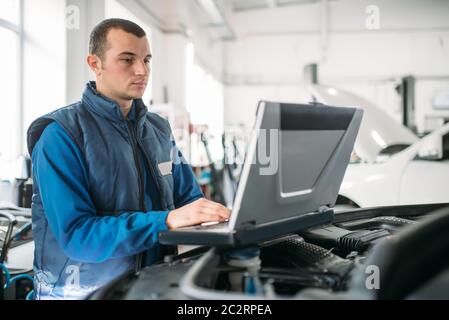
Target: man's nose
{"points": [[141, 68]]}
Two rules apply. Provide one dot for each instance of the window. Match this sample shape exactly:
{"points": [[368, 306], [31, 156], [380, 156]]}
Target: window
{"points": [[10, 109], [9, 11]]}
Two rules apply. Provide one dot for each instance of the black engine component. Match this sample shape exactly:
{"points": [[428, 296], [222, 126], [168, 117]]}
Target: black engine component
{"points": [[387, 223], [344, 240], [360, 240], [297, 254]]}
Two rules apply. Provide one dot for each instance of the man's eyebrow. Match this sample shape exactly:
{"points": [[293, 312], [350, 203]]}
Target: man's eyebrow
{"points": [[133, 54]]}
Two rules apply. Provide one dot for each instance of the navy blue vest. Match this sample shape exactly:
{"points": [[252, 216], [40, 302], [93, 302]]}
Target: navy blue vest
{"points": [[109, 146]]}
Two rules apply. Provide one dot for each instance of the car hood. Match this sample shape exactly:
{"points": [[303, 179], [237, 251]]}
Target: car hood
{"points": [[377, 131]]}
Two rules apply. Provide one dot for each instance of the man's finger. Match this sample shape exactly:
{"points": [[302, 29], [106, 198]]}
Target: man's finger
{"points": [[216, 205], [209, 210], [205, 217]]}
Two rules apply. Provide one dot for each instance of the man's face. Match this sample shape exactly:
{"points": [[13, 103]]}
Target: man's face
{"points": [[124, 70]]}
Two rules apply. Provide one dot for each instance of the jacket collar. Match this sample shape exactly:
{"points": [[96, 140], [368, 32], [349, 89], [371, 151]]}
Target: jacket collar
{"points": [[108, 108]]}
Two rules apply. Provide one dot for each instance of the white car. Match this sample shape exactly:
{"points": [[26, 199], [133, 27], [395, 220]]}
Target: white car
{"points": [[391, 166]]}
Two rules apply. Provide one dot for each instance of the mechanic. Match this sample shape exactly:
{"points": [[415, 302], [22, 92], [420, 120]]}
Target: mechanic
{"points": [[107, 175]]}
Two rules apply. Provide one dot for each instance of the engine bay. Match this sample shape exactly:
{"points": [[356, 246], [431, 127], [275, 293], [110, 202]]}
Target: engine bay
{"points": [[319, 263]]}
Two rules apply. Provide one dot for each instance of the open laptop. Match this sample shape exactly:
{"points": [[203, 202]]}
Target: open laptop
{"points": [[293, 169]]}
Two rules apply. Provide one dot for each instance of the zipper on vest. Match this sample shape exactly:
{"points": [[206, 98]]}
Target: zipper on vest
{"points": [[139, 256], [138, 166], [161, 194]]}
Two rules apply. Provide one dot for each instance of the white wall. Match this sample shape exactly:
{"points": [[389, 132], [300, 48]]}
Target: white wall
{"points": [[44, 58], [266, 60], [167, 41], [77, 44], [174, 23], [425, 90], [272, 47], [10, 93]]}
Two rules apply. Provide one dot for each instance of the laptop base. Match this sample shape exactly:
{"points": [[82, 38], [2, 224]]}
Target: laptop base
{"points": [[248, 234]]}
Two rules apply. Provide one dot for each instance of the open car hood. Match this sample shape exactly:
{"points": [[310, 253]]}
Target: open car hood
{"points": [[377, 131]]}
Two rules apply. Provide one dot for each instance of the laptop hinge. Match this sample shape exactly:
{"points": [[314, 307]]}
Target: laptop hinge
{"points": [[247, 225], [324, 209]]}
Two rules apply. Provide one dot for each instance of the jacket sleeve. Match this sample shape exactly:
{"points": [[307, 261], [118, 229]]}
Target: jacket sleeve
{"points": [[186, 188], [60, 175]]}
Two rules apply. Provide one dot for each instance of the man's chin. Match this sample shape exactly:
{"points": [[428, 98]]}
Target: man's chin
{"points": [[134, 95]]}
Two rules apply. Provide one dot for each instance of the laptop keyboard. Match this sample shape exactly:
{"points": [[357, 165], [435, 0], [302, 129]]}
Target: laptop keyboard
{"points": [[208, 226], [211, 225]]}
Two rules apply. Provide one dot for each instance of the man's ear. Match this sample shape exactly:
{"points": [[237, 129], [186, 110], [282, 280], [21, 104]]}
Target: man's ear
{"points": [[94, 63]]}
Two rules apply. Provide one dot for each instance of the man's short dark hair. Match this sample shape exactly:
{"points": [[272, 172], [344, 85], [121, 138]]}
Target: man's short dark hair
{"points": [[98, 36]]}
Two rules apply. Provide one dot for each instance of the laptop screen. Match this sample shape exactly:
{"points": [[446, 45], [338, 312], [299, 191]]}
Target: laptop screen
{"points": [[295, 162], [307, 139]]}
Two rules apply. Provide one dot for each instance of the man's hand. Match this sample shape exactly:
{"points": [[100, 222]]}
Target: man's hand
{"points": [[199, 211]]}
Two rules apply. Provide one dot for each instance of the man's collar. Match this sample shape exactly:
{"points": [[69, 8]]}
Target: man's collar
{"points": [[107, 107]]}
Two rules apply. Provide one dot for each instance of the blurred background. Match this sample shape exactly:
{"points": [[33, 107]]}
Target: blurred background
{"points": [[213, 60]]}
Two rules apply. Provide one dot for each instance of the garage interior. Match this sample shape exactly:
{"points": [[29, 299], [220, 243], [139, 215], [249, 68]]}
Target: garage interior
{"points": [[213, 62]]}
